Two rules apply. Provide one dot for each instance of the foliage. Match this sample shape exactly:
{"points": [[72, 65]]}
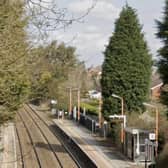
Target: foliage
{"points": [[115, 134], [19, 62], [140, 121], [147, 121], [55, 68], [162, 160], [53, 63], [14, 83], [78, 78], [5, 116], [94, 102], [127, 66], [163, 52], [90, 108], [163, 134]]}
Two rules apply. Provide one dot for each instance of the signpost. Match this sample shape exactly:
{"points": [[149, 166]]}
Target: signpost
{"points": [[152, 136]]}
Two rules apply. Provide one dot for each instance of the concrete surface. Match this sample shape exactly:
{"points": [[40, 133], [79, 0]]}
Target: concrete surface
{"points": [[103, 154]]}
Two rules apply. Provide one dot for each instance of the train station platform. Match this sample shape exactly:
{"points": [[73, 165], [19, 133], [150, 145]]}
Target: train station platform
{"points": [[99, 150]]}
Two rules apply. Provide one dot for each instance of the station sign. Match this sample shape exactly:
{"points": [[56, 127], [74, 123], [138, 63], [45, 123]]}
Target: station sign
{"points": [[152, 136]]}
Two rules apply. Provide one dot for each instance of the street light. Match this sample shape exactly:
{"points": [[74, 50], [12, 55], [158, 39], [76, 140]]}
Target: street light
{"points": [[156, 123], [122, 113]]}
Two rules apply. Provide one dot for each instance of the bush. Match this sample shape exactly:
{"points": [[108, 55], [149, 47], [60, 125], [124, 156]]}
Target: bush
{"points": [[162, 161], [138, 120], [6, 116], [90, 108]]}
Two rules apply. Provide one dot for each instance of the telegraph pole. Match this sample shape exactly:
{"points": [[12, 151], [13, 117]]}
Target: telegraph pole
{"points": [[100, 113], [157, 129], [70, 100], [78, 104]]}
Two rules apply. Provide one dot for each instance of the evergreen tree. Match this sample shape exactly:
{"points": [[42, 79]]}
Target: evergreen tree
{"points": [[127, 66], [163, 52]]}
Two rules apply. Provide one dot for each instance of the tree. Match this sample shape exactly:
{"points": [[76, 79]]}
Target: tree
{"points": [[52, 65], [46, 16], [163, 52], [16, 18], [162, 160], [14, 83], [127, 66], [76, 78]]}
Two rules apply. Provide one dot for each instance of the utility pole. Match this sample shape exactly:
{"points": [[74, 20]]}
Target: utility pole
{"points": [[100, 113], [78, 104], [70, 100], [122, 125], [157, 130]]}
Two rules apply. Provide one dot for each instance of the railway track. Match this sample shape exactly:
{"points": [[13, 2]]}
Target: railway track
{"points": [[37, 146], [80, 158]]}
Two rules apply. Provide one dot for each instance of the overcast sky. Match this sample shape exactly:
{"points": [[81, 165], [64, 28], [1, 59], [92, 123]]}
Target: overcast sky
{"points": [[91, 36]]}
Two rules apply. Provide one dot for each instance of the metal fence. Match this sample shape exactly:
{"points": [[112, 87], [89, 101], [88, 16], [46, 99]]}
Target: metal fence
{"points": [[88, 122]]}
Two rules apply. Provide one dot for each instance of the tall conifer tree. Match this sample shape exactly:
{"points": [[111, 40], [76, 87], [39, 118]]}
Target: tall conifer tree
{"points": [[127, 65], [163, 52]]}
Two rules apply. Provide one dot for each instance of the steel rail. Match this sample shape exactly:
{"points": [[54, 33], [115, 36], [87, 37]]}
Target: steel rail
{"points": [[45, 137], [59, 139], [31, 140]]}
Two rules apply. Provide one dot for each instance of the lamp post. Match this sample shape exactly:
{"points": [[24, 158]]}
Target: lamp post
{"points": [[156, 123], [122, 113]]}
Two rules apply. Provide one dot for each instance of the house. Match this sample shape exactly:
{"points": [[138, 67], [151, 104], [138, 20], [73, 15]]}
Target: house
{"points": [[95, 74], [95, 71], [156, 85]]}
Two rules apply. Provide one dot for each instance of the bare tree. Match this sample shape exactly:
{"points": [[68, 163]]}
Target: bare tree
{"points": [[46, 15]]}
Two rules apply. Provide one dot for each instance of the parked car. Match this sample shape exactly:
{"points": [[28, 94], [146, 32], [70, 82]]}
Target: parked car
{"points": [[93, 94]]}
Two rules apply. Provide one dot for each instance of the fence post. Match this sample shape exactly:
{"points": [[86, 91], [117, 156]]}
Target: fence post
{"points": [[92, 126], [146, 152], [105, 128]]}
